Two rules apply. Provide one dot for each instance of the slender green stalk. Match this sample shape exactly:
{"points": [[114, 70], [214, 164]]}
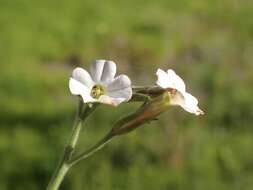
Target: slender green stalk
{"points": [[63, 165], [91, 150], [58, 177]]}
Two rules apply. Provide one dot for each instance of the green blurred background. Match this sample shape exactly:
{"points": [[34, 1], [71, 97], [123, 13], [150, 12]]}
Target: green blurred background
{"points": [[208, 42]]}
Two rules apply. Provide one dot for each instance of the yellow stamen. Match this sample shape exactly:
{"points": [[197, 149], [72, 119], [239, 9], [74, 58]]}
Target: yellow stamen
{"points": [[97, 91]]}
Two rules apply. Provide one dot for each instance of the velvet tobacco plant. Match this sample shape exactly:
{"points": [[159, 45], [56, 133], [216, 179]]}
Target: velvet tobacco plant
{"points": [[102, 87]]}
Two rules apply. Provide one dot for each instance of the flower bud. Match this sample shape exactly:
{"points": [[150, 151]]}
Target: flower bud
{"points": [[145, 114]]}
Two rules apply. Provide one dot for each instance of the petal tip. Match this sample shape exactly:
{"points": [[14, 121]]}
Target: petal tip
{"points": [[99, 60], [159, 71], [171, 71], [73, 86], [200, 112], [76, 71]]}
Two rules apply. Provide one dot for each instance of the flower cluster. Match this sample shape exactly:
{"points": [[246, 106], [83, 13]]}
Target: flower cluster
{"points": [[102, 86]]}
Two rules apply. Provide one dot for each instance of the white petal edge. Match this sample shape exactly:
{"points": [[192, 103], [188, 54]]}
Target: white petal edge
{"points": [[105, 99], [82, 76], [109, 72], [97, 70], [177, 81], [163, 79], [191, 104], [119, 83], [124, 94], [77, 88], [188, 102]]}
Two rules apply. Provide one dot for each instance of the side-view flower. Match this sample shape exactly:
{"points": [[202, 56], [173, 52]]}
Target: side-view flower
{"points": [[101, 86], [175, 84]]}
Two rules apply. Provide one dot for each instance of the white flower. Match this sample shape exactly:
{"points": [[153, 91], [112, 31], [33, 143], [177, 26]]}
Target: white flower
{"points": [[179, 96], [101, 86]]}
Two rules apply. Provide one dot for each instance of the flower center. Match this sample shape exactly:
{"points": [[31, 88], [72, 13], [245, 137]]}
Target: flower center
{"points": [[97, 91], [172, 93]]}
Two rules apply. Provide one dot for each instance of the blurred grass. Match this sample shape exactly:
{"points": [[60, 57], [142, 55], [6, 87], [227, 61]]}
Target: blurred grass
{"points": [[209, 43]]}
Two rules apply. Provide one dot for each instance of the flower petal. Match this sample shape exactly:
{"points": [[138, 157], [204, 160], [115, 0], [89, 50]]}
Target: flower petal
{"points": [[97, 70], [104, 99], [109, 71], [125, 94], [188, 102], [77, 88], [191, 104], [177, 98], [82, 76], [175, 81], [119, 83], [163, 79], [117, 101]]}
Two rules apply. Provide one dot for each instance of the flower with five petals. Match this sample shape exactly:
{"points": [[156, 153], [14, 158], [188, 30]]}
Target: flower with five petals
{"points": [[101, 85]]}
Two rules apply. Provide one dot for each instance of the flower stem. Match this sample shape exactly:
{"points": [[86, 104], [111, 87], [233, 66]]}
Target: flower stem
{"points": [[63, 165], [58, 177], [91, 150]]}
